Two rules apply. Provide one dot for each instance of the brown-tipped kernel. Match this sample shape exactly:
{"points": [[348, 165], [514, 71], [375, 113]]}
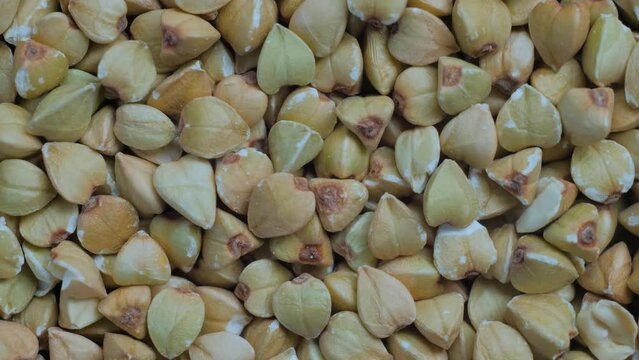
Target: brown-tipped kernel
{"points": [[384, 177], [38, 68], [534, 259], [342, 70], [460, 84], [184, 37], [518, 173], [415, 96], [51, 225], [481, 27], [338, 201], [106, 223], [576, 231], [227, 240], [586, 114], [127, 308]]}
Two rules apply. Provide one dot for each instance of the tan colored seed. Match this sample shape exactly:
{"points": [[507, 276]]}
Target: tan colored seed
{"points": [[496, 340], [380, 66], [280, 204], [554, 197], [309, 107], [606, 328], [384, 177], [77, 314], [222, 346], [79, 274], [418, 273], [394, 231], [101, 23], [141, 261], [439, 319], [106, 223], [239, 15], [172, 335], [558, 30], [608, 274], [65, 345], [408, 344], [554, 83], [74, 169], [462, 252], [449, 198], [459, 139], [24, 188], [602, 171], [192, 194], [420, 38], [134, 180], [222, 311], [383, 303], [602, 65], [545, 320], [352, 242], [527, 119], [487, 301], [269, 338], [346, 337], [209, 117], [116, 346], [257, 283]]}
